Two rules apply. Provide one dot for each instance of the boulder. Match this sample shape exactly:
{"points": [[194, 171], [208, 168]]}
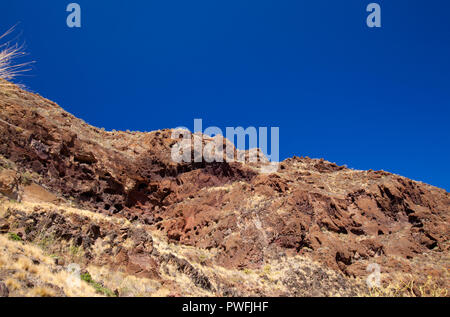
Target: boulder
{"points": [[9, 184]]}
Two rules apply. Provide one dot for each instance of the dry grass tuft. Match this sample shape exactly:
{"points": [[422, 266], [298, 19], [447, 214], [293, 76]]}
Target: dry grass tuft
{"points": [[410, 288], [8, 53]]}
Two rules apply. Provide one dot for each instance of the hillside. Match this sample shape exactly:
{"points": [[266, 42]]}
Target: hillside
{"points": [[139, 224]]}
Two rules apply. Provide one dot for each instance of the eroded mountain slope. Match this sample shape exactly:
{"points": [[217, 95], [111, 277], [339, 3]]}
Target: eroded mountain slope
{"points": [[310, 209]]}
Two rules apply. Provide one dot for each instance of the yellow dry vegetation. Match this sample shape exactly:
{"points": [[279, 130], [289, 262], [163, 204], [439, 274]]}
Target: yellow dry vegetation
{"points": [[26, 271], [408, 287]]}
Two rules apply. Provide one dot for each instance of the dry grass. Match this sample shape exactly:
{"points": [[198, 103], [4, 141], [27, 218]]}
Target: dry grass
{"points": [[26, 271], [29, 207], [409, 287], [8, 53], [269, 280], [126, 285]]}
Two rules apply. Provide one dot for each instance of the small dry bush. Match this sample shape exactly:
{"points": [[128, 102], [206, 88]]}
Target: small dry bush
{"points": [[8, 53]]}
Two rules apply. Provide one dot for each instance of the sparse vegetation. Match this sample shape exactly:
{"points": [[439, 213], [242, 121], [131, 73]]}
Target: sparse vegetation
{"points": [[97, 286], [410, 288], [202, 258], [26, 178], [286, 275], [74, 250], [5, 163], [14, 237], [45, 241], [30, 273]]}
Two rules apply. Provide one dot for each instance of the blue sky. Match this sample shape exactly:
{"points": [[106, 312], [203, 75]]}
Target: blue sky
{"points": [[368, 98]]}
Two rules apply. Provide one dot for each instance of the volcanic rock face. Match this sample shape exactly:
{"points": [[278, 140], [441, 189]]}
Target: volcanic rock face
{"points": [[341, 218]]}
